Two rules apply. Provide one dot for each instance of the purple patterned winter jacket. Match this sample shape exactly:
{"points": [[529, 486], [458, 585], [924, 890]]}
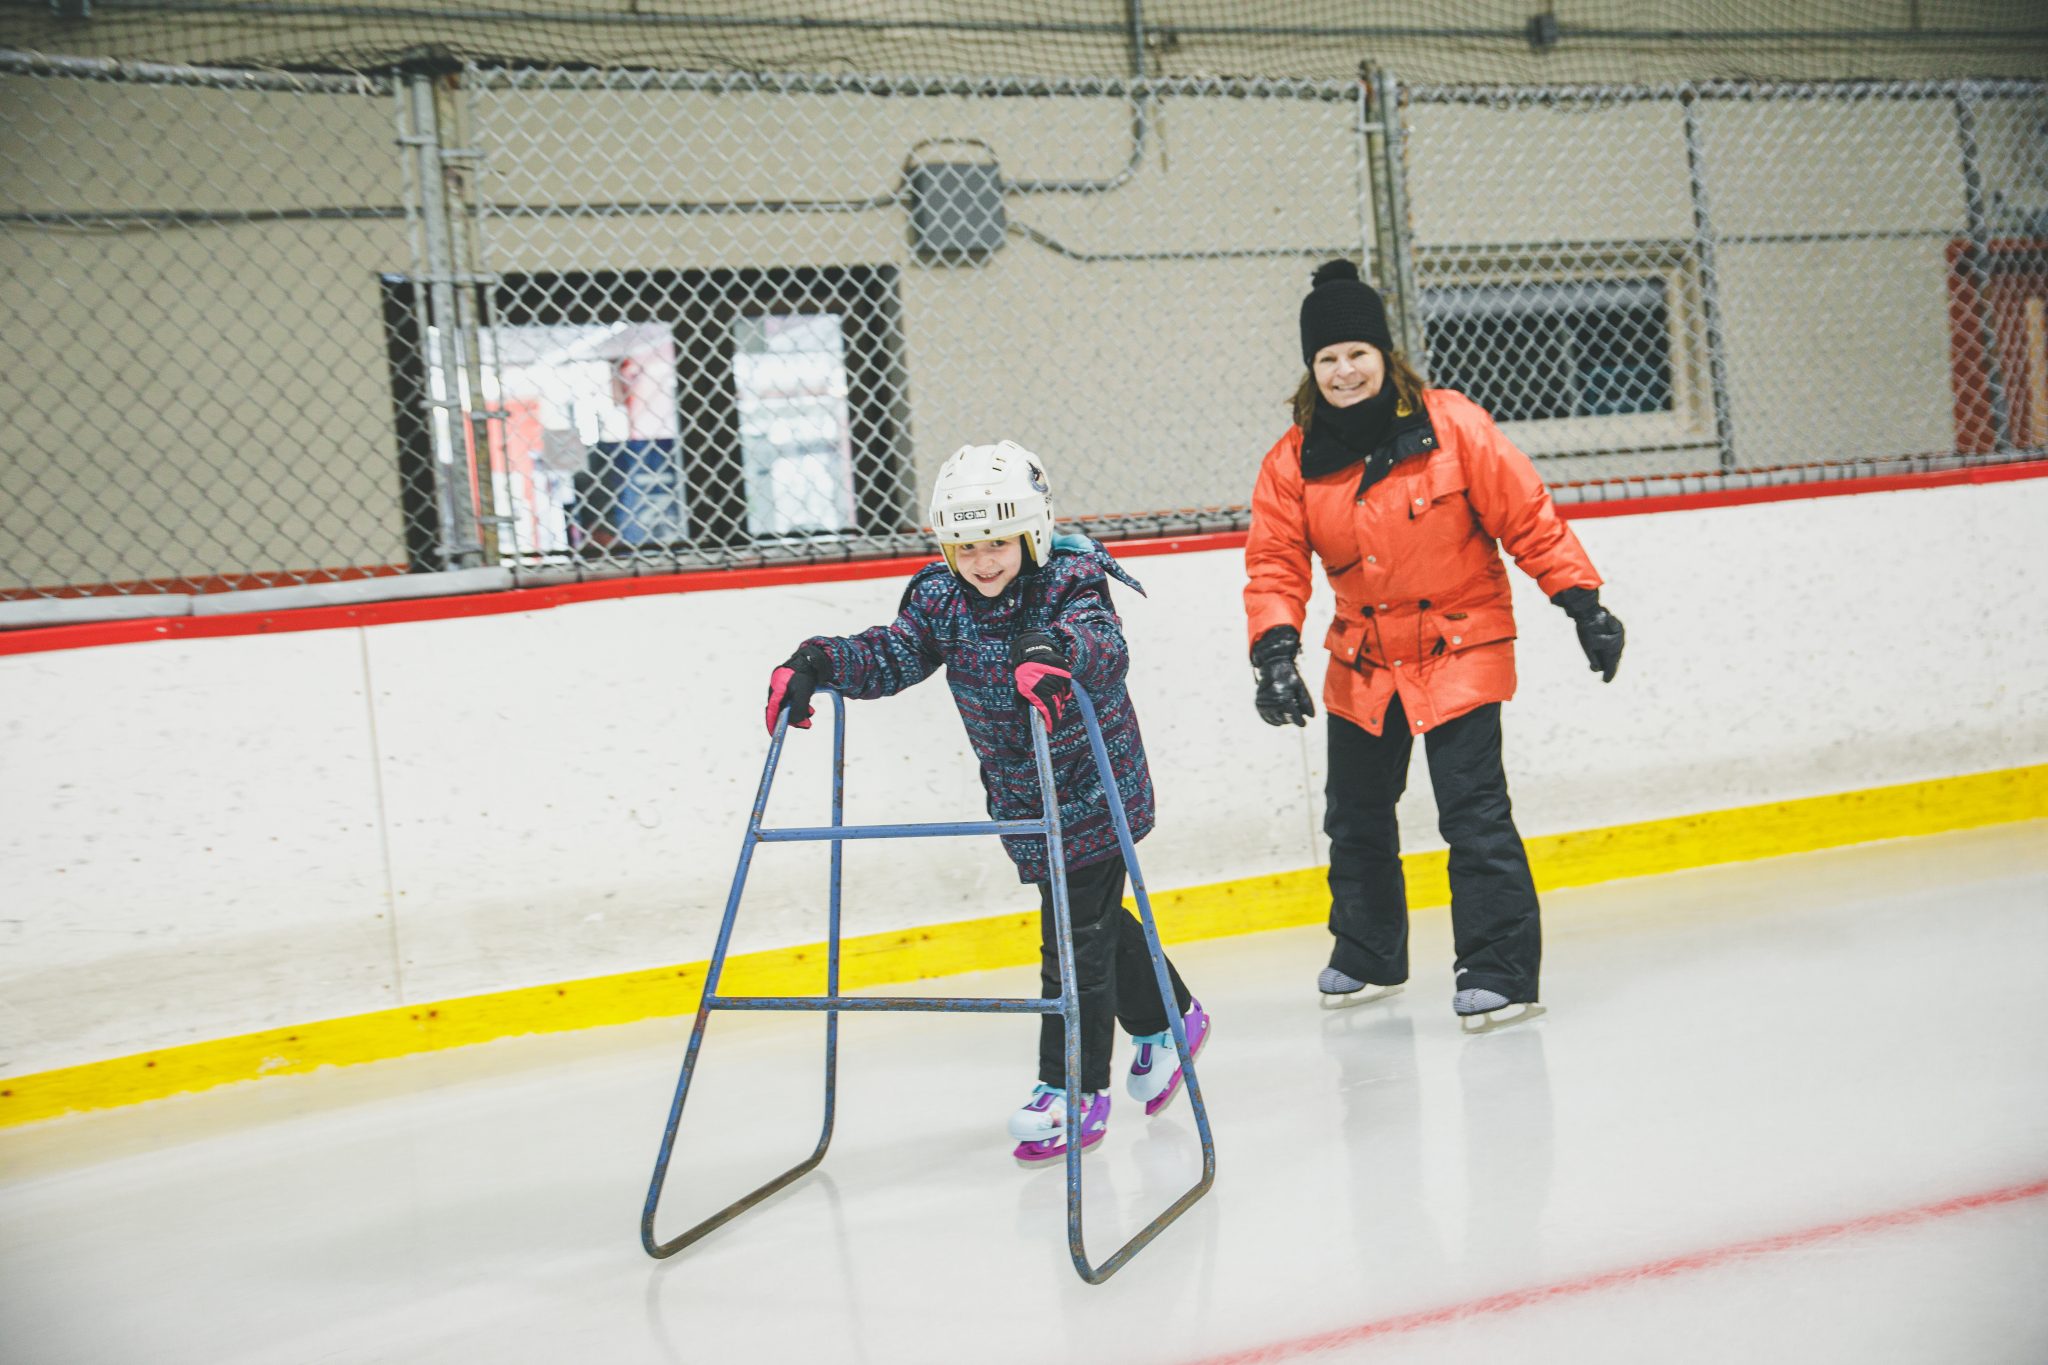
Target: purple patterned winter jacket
{"points": [[941, 621]]}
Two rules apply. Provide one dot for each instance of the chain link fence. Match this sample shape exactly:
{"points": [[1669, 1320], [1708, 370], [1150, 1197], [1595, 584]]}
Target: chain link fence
{"points": [[1692, 286], [195, 359], [287, 329], [784, 320]]}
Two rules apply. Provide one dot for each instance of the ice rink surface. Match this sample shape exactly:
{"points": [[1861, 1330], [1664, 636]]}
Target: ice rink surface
{"points": [[1793, 1110]]}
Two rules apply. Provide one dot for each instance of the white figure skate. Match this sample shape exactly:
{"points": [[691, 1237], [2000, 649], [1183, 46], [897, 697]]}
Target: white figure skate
{"points": [[1341, 992], [1483, 1011]]}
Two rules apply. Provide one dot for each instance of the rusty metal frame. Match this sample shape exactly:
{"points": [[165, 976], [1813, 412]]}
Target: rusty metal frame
{"points": [[1068, 1005]]}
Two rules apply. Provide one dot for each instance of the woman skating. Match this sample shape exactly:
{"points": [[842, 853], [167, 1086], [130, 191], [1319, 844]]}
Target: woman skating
{"points": [[1407, 494]]}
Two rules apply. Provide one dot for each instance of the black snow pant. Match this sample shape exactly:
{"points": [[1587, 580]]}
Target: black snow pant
{"points": [[1111, 967], [1494, 921]]}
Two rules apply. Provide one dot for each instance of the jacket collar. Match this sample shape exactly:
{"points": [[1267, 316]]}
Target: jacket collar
{"points": [[1412, 435]]}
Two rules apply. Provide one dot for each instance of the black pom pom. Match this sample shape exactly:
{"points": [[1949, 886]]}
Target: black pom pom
{"points": [[1339, 269]]}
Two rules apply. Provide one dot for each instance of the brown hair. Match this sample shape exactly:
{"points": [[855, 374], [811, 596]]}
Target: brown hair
{"points": [[1408, 388]]}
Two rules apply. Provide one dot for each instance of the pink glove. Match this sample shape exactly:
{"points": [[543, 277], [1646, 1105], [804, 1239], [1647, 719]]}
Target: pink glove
{"points": [[1042, 676], [791, 685]]}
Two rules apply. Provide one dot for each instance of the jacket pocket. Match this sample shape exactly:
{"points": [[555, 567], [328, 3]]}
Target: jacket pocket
{"points": [[1459, 628], [1345, 637], [1440, 485]]}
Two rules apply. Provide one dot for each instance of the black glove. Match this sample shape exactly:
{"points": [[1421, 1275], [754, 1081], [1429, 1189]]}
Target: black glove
{"points": [[1282, 697], [791, 685], [1043, 676], [1600, 634]]}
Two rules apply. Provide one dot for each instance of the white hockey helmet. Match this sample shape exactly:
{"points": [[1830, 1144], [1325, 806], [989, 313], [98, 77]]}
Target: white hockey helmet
{"points": [[991, 492]]}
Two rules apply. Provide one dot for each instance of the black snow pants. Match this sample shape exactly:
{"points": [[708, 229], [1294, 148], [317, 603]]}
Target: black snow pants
{"points": [[1111, 967], [1494, 921]]}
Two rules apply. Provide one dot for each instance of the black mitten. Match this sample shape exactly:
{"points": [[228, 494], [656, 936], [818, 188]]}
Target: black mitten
{"points": [[1282, 697], [1600, 633]]}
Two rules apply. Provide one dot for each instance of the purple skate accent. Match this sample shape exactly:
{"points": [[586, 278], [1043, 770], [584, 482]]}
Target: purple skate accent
{"points": [[1093, 1125], [1040, 1117], [1196, 1021]]}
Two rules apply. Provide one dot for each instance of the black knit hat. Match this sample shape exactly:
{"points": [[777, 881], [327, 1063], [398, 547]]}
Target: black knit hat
{"points": [[1342, 307]]}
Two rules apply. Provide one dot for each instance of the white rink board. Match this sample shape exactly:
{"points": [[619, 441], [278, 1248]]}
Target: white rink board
{"points": [[189, 844], [197, 843]]}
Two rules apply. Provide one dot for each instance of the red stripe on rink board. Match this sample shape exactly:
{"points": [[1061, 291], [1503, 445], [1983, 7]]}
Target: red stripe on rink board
{"points": [[1793, 492], [37, 639], [1517, 1299]]}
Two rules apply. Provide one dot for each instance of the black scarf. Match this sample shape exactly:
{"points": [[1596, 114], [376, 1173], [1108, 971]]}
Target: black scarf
{"points": [[1338, 437]]}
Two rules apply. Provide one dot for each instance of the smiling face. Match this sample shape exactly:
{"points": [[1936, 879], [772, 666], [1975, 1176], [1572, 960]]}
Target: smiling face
{"points": [[990, 565], [1349, 372]]}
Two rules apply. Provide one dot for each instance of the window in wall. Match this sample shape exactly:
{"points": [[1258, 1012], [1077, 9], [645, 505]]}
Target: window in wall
{"points": [[789, 375], [680, 411], [1528, 352], [586, 408]]}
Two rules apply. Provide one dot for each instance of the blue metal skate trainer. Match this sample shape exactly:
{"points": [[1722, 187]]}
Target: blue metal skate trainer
{"points": [[1068, 1005]]}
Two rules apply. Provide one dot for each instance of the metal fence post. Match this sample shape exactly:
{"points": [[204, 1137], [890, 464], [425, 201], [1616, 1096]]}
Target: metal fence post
{"points": [[434, 297], [1394, 231], [458, 189], [447, 339], [1367, 171], [1703, 243], [1965, 102]]}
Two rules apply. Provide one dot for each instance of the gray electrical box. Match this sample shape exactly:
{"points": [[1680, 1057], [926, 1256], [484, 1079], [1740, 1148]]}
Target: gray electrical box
{"points": [[956, 210]]}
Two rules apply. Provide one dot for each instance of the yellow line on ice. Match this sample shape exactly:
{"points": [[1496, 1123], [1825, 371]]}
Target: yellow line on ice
{"points": [[1243, 906]]}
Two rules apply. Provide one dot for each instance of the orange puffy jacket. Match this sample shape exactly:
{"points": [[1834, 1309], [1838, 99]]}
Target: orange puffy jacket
{"points": [[1422, 596]]}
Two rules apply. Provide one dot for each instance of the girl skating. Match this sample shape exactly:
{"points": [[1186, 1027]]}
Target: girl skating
{"points": [[1016, 617]]}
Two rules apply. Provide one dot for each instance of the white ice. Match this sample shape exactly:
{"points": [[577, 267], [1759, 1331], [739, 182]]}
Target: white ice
{"points": [[1750, 1129]]}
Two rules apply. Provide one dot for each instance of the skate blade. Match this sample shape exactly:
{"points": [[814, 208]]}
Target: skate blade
{"points": [[1034, 1156], [1344, 1000], [1507, 1016]]}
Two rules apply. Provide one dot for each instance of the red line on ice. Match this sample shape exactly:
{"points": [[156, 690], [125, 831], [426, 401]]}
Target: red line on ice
{"points": [[1652, 1270]]}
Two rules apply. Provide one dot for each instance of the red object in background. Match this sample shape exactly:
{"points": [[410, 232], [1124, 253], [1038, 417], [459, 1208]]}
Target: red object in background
{"points": [[522, 447], [2016, 298]]}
